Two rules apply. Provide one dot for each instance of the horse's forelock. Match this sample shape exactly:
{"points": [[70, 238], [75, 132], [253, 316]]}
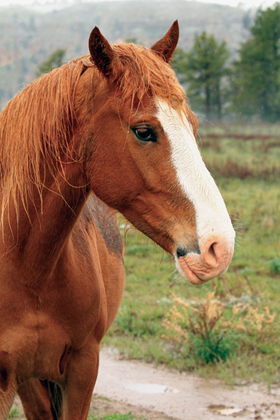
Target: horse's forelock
{"points": [[138, 71]]}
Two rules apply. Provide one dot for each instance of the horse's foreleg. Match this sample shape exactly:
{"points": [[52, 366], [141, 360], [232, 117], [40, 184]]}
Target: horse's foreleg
{"points": [[6, 401], [80, 380], [8, 384], [35, 398]]}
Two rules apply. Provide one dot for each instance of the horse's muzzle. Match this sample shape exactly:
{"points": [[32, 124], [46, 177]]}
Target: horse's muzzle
{"points": [[213, 260]]}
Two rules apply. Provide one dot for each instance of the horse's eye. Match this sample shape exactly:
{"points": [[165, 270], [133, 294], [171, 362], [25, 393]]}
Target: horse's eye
{"points": [[145, 134]]}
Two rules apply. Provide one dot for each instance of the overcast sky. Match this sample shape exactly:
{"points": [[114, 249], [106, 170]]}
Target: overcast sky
{"points": [[241, 3]]}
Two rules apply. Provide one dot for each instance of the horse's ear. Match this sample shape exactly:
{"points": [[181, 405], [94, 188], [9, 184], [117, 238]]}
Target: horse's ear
{"points": [[165, 47], [101, 52]]}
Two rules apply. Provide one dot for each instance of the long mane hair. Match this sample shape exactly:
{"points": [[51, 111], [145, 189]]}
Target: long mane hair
{"points": [[37, 125]]}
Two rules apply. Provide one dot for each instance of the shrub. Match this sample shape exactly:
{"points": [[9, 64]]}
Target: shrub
{"points": [[214, 347], [274, 265], [213, 328]]}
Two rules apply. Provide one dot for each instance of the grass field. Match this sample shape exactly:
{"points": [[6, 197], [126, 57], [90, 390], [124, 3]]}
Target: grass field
{"points": [[15, 414], [228, 328], [128, 416]]}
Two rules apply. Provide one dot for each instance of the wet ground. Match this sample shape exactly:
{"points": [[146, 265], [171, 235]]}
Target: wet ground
{"points": [[157, 393], [182, 396]]}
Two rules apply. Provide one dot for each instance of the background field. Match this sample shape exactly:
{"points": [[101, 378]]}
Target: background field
{"points": [[238, 312]]}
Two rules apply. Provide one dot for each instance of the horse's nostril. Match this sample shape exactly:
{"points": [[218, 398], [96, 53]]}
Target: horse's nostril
{"points": [[181, 252], [211, 250], [212, 255]]}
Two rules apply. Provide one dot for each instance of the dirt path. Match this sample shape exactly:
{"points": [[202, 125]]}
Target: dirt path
{"points": [[181, 396], [160, 394]]}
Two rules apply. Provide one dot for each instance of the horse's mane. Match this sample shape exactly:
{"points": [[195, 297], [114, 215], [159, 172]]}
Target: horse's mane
{"points": [[37, 125]]}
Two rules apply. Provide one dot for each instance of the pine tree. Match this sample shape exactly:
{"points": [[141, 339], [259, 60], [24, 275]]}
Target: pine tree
{"points": [[203, 69], [54, 61], [257, 72]]}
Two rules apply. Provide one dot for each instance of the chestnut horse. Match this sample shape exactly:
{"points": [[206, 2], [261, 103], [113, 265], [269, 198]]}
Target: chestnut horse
{"points": [[108, 131]]}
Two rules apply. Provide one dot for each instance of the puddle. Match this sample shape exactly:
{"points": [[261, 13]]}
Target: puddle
{"points": [[150, 388], [183, 396], [225, 411], [230, 411]]}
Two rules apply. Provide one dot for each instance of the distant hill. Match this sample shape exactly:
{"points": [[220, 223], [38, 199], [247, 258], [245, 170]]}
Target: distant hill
{"points": [[28, 37]]}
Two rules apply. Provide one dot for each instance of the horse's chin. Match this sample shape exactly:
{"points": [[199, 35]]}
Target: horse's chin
{"points": [[187, 273], [193, 277]]}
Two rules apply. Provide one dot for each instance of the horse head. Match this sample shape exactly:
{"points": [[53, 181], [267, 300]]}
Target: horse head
{"points": [[142, 158]]}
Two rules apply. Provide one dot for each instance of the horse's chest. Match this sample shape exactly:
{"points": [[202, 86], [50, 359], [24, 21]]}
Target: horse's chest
{"points": [[75, 306], [45, 345], [40, 326]]}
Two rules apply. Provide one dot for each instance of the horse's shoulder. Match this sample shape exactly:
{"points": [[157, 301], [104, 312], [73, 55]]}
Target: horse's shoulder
{"points": [[97, 212]]}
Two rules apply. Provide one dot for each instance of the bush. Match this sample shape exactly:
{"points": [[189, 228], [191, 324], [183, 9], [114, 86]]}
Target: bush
{"points": [[215, 347], [214, 328], [274, 265]]}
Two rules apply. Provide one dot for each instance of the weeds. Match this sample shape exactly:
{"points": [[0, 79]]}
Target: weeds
{"points": [[274, 265], [196, 324], [14, 413], [213, 328], [234, 169], [242, 152]]}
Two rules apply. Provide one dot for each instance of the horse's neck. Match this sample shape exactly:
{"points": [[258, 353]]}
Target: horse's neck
{"points": [[39, 237]]}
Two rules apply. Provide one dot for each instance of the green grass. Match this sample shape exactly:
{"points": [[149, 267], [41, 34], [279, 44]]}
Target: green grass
{"points": [[14, 413], [253, 201], [128, 416]]}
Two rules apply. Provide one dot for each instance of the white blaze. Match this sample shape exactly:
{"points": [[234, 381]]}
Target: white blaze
{"points": [[194, 178]]}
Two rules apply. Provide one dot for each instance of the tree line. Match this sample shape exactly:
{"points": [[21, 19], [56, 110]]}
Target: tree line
{"points": [[248, 87], [219, 87]]}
